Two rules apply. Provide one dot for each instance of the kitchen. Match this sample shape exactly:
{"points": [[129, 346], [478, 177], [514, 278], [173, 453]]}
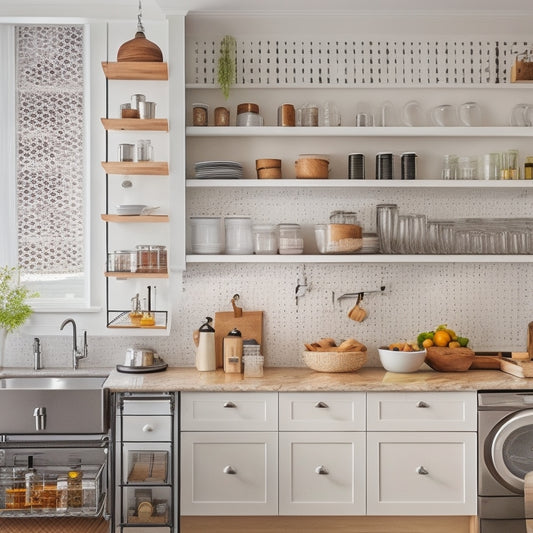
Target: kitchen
{"points": [[418, 294]]}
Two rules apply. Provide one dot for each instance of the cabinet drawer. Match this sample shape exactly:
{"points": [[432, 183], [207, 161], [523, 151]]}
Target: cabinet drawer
{"points": [[333, 411], [422, 411], [429, 473], [221, 411], [229, 473], [146, 428], [322, 473], [147, 406]]}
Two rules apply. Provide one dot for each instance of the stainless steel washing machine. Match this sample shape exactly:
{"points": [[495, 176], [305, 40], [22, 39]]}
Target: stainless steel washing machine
{"points": [[505, 456]]}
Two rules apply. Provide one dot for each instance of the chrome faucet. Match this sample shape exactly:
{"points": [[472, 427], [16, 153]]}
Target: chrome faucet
{"points": [[76, 354], [37, 355]]}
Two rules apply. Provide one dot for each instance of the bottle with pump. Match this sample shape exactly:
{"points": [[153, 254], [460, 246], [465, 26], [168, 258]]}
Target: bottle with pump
{"points": [[205, 353], [32, 480], [232, 350]]}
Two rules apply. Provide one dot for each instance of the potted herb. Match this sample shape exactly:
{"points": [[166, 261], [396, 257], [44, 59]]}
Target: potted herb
{"points": [[14, 309], [226, 64]]}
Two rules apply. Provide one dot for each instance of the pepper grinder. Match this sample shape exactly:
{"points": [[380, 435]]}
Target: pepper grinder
{"points": [[232, 350], [205, 353]]}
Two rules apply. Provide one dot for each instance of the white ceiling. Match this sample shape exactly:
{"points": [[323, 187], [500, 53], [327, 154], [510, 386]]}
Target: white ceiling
{"points": [[159, 8]]}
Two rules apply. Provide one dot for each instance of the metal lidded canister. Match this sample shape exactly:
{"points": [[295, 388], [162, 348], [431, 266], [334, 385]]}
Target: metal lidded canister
{"points": [[384, 166], [356, 166], [408, 161]]}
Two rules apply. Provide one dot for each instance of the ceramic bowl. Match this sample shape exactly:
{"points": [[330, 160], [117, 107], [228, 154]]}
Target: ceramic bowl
{"points": [[396, 361]]}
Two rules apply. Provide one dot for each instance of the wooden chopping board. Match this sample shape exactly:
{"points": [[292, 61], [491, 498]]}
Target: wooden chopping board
{"points": [[521, 369], [250, 324]]}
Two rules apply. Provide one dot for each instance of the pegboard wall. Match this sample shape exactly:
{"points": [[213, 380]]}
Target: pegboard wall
{"points": [[349, 62]]}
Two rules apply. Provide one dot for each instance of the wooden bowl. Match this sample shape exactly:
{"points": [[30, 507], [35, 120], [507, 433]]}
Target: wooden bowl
{"points": [[445, 359], [334, 361]]}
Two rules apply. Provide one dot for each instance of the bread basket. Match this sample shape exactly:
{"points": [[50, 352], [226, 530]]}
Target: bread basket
{"points": [[334, 361]]}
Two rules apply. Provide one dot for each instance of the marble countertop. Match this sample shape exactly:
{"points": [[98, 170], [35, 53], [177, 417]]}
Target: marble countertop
{"points": [[51, 371], [305, 380]]}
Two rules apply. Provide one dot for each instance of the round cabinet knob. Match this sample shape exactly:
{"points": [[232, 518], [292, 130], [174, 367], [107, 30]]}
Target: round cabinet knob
{"points": [[229, 470], [422, 471], [422, 404], [147, 428], [321, 470], [229, 405], [321, 405]]}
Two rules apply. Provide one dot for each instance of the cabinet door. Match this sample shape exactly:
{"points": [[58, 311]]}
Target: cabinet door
{"points": [[322, 411], [322, 473], [421, 473], [232, 473], [422, 411], [229, 411]]}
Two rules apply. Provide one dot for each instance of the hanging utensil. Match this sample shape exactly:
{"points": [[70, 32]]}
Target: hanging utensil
{"points": [[357, 313]]}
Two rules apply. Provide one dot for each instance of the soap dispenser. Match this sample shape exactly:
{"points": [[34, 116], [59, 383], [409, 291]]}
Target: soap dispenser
{"points": [[205, 353], [232, 350]]}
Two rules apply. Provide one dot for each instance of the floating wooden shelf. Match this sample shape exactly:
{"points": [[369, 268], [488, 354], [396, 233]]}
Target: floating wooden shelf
{"points": [[134, 218], [136, 275], [135, 124], [135, 70], [144, 168]]}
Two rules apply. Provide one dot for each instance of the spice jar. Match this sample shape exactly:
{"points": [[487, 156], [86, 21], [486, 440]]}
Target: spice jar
{"points": [[158, 258], [248, 115], [528, 168], [290, 239], [199, 114], [143, 257]]}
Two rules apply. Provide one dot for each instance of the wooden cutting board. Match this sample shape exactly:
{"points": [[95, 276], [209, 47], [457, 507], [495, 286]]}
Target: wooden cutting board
{"points": [[250, 324], [521, 369]]}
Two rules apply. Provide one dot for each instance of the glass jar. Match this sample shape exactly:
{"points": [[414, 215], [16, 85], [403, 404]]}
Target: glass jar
{"points": [[290, 239], [122, 261], [239, 240], [158, 258], [265, 239], [143, 258], [248, 115]]}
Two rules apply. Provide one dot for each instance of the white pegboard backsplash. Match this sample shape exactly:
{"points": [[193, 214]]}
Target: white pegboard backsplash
{"points": [[335, 61]]}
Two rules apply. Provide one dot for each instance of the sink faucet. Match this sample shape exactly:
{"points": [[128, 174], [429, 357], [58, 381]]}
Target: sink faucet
{"points": [[37, 355], [76, 354]]}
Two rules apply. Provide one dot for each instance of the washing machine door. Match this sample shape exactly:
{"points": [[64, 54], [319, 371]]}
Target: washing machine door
{"points": [[511, 450]]}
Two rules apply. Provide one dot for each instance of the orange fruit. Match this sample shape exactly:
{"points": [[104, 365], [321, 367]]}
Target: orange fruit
{"points": [[441, 338], [427, 343]]}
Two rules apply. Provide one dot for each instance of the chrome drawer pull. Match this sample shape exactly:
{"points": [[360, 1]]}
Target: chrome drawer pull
{"points": [[229, 470], [321, 405], [422, 471], [422, 404], [322, 470], [229, 405], [147, 428]]}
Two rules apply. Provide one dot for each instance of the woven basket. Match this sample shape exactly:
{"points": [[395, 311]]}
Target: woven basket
{"points": [[334, 361]]}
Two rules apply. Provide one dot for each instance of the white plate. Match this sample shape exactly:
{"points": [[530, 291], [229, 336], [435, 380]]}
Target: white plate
{"points": [[135, 209]]}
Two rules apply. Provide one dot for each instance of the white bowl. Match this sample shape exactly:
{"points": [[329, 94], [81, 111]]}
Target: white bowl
{"points": [[396, 361]]}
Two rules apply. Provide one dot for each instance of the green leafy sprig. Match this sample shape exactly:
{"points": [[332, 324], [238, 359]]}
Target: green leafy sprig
{"points": [[226, 64], [14, 310]]}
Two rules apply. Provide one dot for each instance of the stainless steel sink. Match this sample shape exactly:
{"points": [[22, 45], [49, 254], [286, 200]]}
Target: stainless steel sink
{"points": [[53, 405], [52, 382]]}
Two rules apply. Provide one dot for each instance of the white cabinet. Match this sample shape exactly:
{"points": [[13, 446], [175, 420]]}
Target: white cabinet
{"points": [[322, 411], [332, 453], [229, 453], [322, 453], [322, 473], [229, 473], [421, 450]]}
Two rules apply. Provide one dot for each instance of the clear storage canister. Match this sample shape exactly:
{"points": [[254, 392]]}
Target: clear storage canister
{"points": [[239, 240], [143, 258], [290, 239], [122, 261], [158, 258], [265, 239]]}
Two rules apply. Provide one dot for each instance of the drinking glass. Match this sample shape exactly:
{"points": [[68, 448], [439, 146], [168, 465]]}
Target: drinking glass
{"points": [[386, 223], [470, 114], [417, 234], [412, 114], [444, 115]]}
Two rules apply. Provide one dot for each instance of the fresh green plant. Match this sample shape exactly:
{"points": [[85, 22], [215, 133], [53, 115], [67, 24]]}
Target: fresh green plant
{"points": [[14, 310], [226, 64]]}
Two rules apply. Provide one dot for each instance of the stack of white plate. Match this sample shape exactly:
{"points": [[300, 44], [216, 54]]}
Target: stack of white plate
{"points": [[218, 170], [130, 209]]}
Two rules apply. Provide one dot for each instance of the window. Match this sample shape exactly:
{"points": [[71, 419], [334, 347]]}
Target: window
{"points": [[49, 172]]}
